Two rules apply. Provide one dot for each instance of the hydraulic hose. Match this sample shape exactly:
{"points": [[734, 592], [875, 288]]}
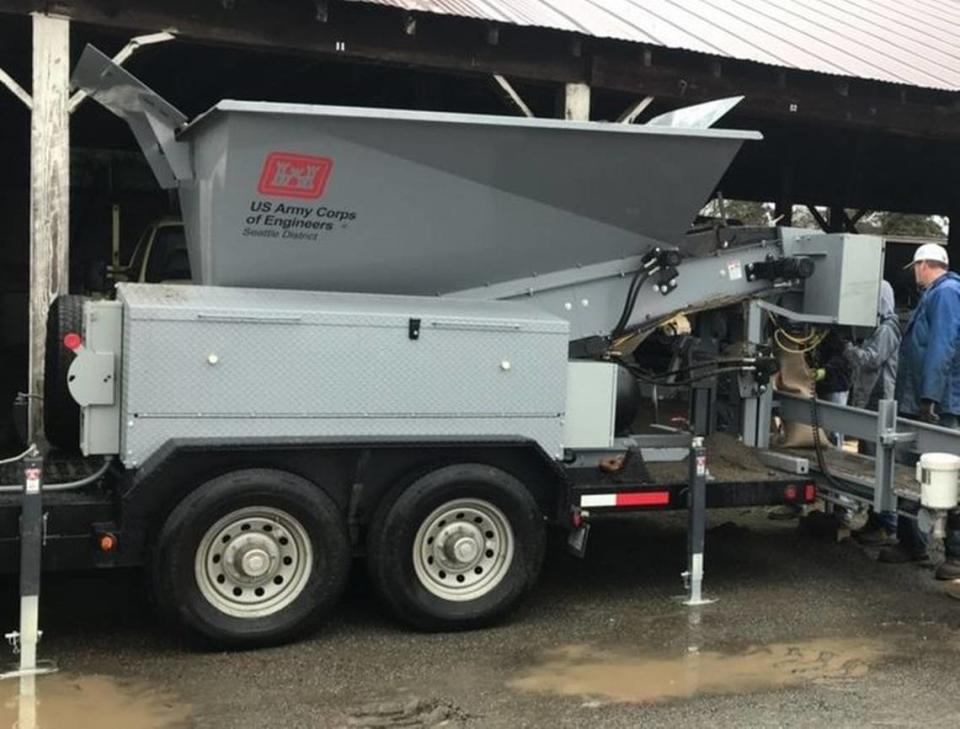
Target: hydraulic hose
{"points": [[639, 279], [64, 485], [818, 445], [14, 459]]}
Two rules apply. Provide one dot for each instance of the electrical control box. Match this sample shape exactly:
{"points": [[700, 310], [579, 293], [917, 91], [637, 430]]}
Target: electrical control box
{"points": [[845, 285], [591, 405]]}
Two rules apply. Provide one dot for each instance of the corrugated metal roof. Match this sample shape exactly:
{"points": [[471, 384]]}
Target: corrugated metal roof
{"points": [[912, 42]]}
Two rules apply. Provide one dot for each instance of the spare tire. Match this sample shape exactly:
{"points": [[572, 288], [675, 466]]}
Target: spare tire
{"points": [[61, 414]]}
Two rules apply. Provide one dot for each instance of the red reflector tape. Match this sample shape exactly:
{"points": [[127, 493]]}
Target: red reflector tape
{"points": [[632, 498], [644, 498]]}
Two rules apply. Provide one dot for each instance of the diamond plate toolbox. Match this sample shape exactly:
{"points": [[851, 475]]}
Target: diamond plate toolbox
{"points": [[222, 364]]}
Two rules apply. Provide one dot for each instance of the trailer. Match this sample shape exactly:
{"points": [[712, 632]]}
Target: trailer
{"points": [[420, 340]]}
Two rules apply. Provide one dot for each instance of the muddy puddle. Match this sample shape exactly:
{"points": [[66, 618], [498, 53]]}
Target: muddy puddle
{"points": [[63, 701], [614, 675]]}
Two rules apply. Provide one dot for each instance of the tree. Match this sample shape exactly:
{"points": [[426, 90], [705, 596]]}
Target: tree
{"points": [[746, 212], [886, 223], [803, 218]]}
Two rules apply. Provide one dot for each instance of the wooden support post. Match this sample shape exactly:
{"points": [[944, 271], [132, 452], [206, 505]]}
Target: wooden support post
{"points": [[49, 190], [577, 102]]}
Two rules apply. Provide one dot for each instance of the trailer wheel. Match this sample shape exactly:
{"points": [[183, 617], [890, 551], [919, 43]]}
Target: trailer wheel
{"points": [[457, 548], [61, 414], [253, 557]]}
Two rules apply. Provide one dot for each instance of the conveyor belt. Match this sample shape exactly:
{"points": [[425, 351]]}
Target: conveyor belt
{"points": [[728, 461], [858, 467]]}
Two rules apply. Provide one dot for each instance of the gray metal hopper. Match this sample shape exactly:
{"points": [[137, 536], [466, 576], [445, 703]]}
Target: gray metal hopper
{"points": [[375, 200]]}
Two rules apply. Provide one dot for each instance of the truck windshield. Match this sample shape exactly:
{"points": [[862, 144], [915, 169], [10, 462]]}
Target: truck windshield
{"points": [[136, 258]]}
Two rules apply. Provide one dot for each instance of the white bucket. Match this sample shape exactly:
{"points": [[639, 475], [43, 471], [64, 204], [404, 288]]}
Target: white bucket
{"points": [[937, 474]]}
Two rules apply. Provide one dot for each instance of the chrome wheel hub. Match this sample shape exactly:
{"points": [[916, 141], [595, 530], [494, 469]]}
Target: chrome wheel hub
{"points": [[253, 562], [463, 549]]}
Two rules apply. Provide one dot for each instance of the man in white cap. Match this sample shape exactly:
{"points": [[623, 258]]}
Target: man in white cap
{"points": [[928, 384]]}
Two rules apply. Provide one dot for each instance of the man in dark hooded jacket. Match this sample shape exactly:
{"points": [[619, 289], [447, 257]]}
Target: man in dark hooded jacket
{"points": [[875, 360], [928, 384], [875, 365]]}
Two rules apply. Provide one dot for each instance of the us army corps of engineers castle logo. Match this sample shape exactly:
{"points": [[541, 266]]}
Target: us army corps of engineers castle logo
{"points": [[294, 175]]}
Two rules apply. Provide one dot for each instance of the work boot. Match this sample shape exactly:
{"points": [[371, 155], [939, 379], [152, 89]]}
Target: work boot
{"points": [[872, 535], [953, 590], [949, 569], [898, 555]]}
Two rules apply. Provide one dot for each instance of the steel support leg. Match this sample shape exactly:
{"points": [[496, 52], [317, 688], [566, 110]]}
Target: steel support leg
{"points": [[31, 537], [697, 501], [884, 498], [703, 399], [25, 640]]}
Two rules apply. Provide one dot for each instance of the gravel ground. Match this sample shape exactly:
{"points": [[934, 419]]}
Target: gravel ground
{"points": [[805, 632]]}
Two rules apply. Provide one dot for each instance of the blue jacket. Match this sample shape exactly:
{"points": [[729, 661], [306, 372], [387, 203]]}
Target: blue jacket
{"points": [[929, 356]]}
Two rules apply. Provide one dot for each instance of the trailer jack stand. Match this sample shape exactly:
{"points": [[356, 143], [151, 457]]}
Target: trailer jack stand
{"points": [[24, 641], [697, 500]]}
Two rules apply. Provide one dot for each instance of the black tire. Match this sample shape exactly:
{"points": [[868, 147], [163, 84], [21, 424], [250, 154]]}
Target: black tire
{"points": [[393, 534], [176, 583], [61, 414]]}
